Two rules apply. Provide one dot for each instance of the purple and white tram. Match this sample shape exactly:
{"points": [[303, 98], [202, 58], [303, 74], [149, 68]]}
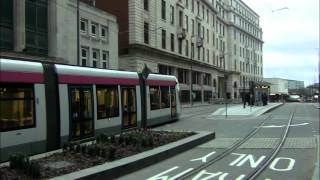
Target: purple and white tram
{"points": [[43, 106]]}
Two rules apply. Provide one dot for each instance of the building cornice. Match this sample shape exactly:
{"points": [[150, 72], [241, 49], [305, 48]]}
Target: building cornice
{"points": [[255, 25], [206, 2], [30, 57], [143, 48], [246, 32]]}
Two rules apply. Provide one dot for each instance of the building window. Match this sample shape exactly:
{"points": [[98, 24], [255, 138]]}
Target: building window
{"points": [[36, 23], [163, 39], [146, 5], [165, 97], [6, 24], [192, 6], [163, 9], [172, 14], [198, 8], [146, 33], [203, 12], [16, 106], [192, 27], [192, 50], [180, 19], [95, 58], [187, 23], [208, 55], [104, 32], [94, 28], [105, 59], [199, 29], [203, 54], [107, 102], [84, 25], [172, 42], [187, 48], [183, 76], [180, 46], [213, 58], [154, 97], [84, 56]]}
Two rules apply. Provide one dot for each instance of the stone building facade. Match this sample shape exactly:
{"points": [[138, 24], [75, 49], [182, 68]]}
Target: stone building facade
{"points": [[46, 30], [213, 47]]}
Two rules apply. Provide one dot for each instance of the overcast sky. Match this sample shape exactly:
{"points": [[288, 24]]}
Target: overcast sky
{"points": [[291, 38]]}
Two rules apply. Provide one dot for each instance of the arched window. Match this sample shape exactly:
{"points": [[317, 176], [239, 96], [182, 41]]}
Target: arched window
{"points": [[214, 83]]}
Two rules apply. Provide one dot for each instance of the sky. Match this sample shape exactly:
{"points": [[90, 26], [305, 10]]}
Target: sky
{"points": [[291, 38]]}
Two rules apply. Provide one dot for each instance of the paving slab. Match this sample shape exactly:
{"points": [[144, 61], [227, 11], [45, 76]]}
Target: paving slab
{"points": [[239, 110]]}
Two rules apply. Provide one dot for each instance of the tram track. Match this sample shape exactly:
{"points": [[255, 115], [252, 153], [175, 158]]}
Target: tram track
{"points": [[259, 169]]}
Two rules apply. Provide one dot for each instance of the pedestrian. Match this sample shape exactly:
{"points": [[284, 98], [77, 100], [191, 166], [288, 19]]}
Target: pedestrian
{"points": [[243, 99], [247, 97], [264, 99]]}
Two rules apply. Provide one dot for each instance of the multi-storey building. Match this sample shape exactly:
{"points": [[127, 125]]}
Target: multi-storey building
{"points": [[278, 85], [43, 30], [98, 34], [286, 86], [245, 43], [209, 45]]}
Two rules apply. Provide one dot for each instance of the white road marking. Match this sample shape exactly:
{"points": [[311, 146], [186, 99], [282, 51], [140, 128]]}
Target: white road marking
{"points": [[243, 158], [204, 158], [280, 126], [238, 159], [180, 174], [288, 168], [160, 175], [220, 175], [241, 177]]}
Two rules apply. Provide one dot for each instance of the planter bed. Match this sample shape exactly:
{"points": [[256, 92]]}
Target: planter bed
{"points": [[76, 156]]}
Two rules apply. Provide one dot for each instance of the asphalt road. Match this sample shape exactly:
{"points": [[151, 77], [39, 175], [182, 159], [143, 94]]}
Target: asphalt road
{"points": [[296, 159]]}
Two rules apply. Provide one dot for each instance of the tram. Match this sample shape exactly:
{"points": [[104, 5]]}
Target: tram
{"points": [[43, 106]]}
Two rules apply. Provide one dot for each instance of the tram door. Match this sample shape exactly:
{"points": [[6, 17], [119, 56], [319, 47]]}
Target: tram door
{"points": [[81, 112], [129, 107], [173, 102]]}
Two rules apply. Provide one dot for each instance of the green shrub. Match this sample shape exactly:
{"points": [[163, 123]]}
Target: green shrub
{"points": [[112, 153], [21, 162], [33, 170], [18, 161], [112, 139]]}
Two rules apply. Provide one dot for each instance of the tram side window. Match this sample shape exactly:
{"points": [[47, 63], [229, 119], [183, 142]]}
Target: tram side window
{"points": [[16, 106], [154, 97], [165, 97], [108, 102]]}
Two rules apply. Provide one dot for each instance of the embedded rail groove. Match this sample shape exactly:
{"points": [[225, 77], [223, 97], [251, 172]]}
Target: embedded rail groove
{"points": [[228, 150]]}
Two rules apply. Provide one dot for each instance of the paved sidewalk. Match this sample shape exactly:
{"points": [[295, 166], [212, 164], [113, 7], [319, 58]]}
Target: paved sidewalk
{"points": [[238, 110]]}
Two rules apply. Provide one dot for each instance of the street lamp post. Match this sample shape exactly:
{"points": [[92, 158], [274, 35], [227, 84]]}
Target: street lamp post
{"points": [[143, 76], [191, 72], [225, 84], [222, 59]]}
